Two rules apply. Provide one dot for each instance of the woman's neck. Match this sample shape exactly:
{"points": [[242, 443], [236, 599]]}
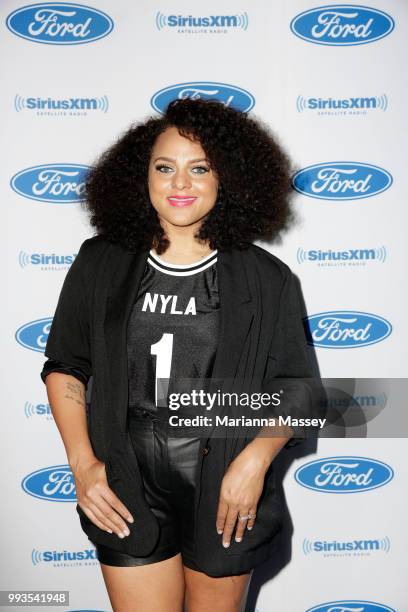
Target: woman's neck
{"points": [[184, 248]]}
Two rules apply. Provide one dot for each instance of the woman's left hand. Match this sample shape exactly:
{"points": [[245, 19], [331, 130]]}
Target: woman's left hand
{"points": [[240, 491]]}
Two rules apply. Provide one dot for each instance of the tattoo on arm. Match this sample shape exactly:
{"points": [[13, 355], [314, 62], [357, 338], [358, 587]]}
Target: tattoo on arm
{"points": [[76, 392]]}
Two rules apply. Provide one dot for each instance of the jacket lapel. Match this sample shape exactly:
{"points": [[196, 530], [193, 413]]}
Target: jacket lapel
{"points": [[126, 274], [236, 313]]}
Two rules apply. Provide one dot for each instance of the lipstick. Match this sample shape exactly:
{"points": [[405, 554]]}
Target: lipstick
{"points": [[180, 201]]}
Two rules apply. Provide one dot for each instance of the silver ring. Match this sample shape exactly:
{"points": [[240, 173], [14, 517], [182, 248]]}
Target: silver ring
{"points": [[246, 516]]}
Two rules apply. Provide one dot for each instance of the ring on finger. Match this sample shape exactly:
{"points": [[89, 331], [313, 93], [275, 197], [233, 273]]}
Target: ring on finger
{"points": [[244, 517]]}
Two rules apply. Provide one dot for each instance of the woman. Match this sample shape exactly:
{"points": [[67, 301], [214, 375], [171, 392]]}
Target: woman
{"points": [[185, 194]]}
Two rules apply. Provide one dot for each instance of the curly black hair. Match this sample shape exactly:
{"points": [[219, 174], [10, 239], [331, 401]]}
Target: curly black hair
{"points": [[253, 170]]}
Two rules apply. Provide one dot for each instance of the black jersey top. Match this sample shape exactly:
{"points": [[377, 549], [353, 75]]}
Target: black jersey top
{"points": [[172, 329]]}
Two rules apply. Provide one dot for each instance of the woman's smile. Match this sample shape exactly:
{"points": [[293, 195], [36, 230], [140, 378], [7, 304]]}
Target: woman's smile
{"points": [[181, 200]]}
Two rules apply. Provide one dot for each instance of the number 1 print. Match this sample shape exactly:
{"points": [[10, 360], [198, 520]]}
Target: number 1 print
{"points": [[163, 350]]}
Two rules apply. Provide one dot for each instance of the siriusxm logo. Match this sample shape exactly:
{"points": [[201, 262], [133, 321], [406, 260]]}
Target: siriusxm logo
{"points": [[341, 180], [59, 23], [44, 261], [373, 402], [351, 605], [341, 106], [356, 548], [63, 556], [33, 410], [344, 474], [60, 106], [342, 25], [214, 22], [34, 335], [55, 483], [345, 257], [341, 329], [41, 410], [55, 183], [229, 95]]}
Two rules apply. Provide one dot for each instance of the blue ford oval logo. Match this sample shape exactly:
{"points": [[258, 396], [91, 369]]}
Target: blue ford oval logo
{"points": [[342, 25], [34, 335], [56, 183], [351, 605], [59, 23], [229, 95], [341, 180], [339, 329], [55, 483], [344, 474]]}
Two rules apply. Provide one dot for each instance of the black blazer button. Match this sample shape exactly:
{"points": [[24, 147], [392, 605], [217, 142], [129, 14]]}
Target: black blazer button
{"points": [[205, 450]]}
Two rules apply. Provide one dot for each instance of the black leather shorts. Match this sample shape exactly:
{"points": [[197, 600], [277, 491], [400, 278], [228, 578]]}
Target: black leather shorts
{"points": [[167, 465]]}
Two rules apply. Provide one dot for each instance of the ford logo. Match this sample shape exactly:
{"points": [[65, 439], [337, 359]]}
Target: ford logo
{"points": [[55, 483], [341, 329], [229, 95], [34, 335], [344, 474], [56, 183], [341, 180], [59, 23], [342, 25], [351, 605]]}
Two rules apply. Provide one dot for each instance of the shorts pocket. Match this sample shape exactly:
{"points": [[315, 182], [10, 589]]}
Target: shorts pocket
{"points": [[149, 443]]}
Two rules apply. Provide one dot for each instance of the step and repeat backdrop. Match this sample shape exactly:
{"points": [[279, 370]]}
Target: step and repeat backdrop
{"points": [[330, 81]]}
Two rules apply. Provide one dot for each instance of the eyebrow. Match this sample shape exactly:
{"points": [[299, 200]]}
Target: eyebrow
{"points": [[172, 160]]}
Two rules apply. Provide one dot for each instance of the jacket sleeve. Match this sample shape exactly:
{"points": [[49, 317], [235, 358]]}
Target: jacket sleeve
{"points": [[52, 365], [290, 360], [68, 344]]}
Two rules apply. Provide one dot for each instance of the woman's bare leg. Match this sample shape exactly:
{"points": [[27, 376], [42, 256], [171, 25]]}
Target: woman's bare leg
{"points": [[207, 594], [146, 588]]}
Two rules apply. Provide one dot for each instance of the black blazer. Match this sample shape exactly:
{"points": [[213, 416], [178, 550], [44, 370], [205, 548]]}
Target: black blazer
{"points": [[261, 336]]}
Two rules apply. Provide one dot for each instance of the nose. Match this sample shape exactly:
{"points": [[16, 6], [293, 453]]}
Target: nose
{"points": [[181, 179]]}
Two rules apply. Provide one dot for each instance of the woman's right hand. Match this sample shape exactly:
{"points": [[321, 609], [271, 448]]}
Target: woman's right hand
{"points": [[100, 504]]}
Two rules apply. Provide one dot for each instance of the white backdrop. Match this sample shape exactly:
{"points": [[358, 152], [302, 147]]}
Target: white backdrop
{"points": [[331, 82]]}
